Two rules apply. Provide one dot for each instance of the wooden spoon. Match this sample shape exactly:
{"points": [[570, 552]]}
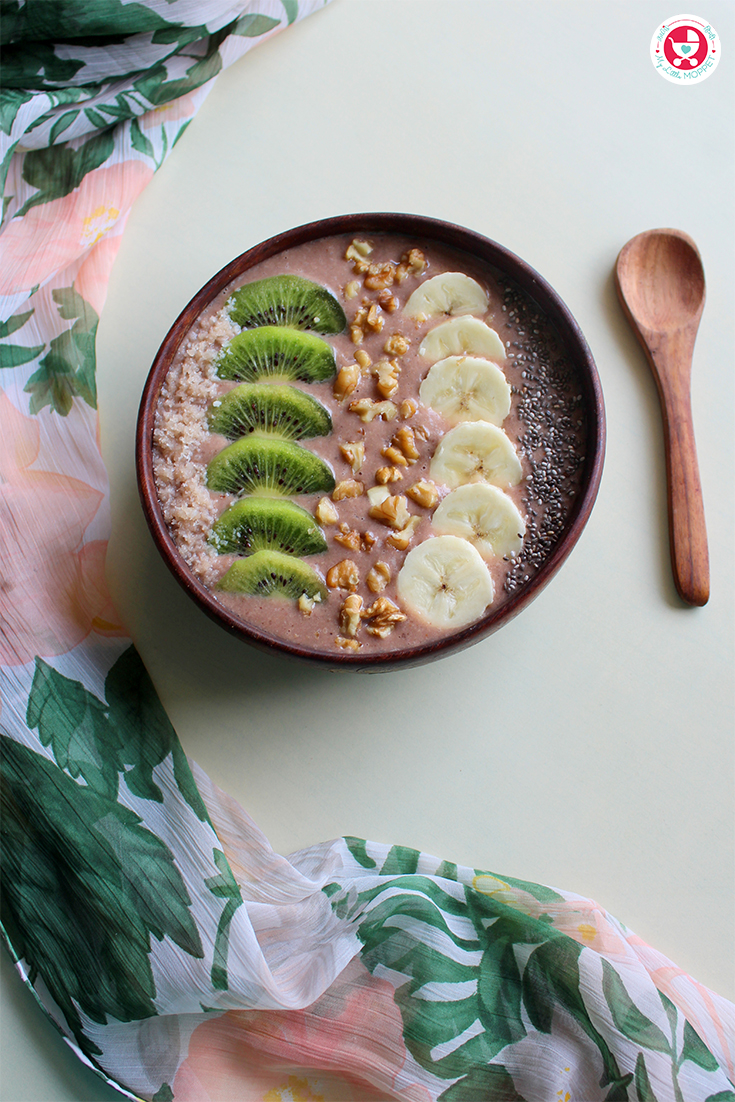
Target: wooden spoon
{"points": [[660, 283]]}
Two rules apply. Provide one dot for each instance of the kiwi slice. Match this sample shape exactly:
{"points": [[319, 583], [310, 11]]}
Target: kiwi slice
{"points": [[266, 463], [287, 300], [273, 574], [265, 523], [281, 410], [272, 352]]}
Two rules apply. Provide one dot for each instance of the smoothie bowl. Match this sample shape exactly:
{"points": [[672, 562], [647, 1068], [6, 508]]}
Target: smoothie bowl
{"points": [[370, 441]]}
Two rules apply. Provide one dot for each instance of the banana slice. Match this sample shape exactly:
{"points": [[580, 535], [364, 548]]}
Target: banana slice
{"points": [[476, 451], [467, 388], [485, 516], [445, 582], [464, 336], [448, 293]]}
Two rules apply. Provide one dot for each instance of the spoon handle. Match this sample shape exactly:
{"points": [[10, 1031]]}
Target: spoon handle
{"points": [[670, 355]]}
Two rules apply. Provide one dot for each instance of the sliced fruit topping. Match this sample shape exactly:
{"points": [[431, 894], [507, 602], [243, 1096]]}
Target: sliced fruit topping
{"points": [[485, 516], [281, 410], [265, 523], [467, 388], [287, 300], [445, 582], [266, 464], [476, 451], [462, 337], [448, 293], [273, 574], [277, 353]]}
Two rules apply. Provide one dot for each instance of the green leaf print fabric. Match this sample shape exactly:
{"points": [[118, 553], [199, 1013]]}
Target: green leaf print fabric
{"points": [[179, 956]]}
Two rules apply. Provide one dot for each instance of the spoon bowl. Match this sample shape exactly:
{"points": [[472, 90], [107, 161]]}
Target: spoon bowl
{"points": [[660, 283]]}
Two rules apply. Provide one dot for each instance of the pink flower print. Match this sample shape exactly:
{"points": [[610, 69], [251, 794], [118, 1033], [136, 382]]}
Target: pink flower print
{"points": [[325, 1051], [52, 585], [52, 235]]}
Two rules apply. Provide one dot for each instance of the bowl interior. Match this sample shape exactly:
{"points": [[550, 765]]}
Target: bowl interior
{"points": [[524, 282]]}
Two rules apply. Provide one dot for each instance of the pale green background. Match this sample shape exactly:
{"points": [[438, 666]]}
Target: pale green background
{"points": [[589, 744]]}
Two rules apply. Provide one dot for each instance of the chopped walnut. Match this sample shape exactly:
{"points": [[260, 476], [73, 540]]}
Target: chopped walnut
{"points": [[354, 454], [325, 512], [375, 320], [349, 615], [384, 475], [401, 540], [346, 644], [344, 575], [363, 359], [412, 262], [395, 455], [383, 615], [392, 511], [352, 289], [404, 439], [306, 603], [378, 577], [387, 373], [350, 487], [349, 538], [387, 301], [380, 276], [368, 410], [358, 249], [368, 540], [347, 379], [424, 493], [356, 333], [397, 345], [408, 408]]}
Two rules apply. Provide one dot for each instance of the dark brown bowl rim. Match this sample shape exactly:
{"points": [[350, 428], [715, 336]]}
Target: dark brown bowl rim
{"points": [[422, 227]]}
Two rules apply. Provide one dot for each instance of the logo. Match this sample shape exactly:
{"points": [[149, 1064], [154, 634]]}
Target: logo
{"points": [[685, 49]]}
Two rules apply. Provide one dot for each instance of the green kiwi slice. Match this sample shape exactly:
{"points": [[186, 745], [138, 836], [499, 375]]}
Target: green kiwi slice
{"points": [[264, 523], [287, 300], [281, 410], [267, 464], [273, 574], [272, 352]]}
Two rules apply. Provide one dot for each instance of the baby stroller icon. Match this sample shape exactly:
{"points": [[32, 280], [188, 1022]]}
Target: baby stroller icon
{"points": [[686, 48]]}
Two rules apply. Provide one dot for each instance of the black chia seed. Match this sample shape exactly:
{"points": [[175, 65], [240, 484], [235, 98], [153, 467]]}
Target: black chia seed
{"points": [[553, 440]]}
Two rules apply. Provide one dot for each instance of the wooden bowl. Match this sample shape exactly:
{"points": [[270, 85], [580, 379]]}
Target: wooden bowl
{"points": [[422, 230]]}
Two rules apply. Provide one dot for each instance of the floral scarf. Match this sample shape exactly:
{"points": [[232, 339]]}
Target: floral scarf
{"points": [[179, 956]]}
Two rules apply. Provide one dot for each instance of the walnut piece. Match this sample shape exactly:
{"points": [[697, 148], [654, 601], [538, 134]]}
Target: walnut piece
{"points": [[380, 276], [349, 615], [424, 493], [408, 408], [343, 575], [363, 359], [354, 454], [378, 577], [383, 615], [368, 410], [306, 603], [387, 373], [348, 537], [393, 512], [347, 379], [405, 440], [325, 512], [395, 456], [350, 487], [352, 289], [383, 475], [397, 345], [401, 540], [346, 644], [387, 301]]}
